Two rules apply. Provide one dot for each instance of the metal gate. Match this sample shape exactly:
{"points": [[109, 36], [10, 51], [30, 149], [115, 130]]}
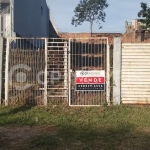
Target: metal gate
{"points": [[89, 54], [57, 70], [36, 71], [25, 72], [42, 71]]}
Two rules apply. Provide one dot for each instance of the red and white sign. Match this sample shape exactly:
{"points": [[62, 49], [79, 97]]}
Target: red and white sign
{"points": [[90, 80]]}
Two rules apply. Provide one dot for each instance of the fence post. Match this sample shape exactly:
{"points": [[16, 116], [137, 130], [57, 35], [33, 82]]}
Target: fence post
{"points": [[1, 67], [117, 71], [69, 73], [65, 69], [108, 74], [45, 73], [7, 73], [0, 25]]}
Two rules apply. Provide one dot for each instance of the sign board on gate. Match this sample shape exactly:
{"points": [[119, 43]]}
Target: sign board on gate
{"points": [[90, 80]]}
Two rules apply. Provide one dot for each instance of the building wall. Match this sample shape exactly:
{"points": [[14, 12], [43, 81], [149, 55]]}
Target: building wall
{"points": [[53, 32], [31, 18], [4, 5], [5, 20], [135, 23], [129, 37], [134, 33], [88, 35], [138, 36]]}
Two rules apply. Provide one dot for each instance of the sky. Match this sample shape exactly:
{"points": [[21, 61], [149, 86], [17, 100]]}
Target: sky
{"points": [[117, 13]]}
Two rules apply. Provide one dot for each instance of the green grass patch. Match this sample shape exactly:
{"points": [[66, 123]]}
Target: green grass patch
{"points": [[59, 116], [118, 127]]}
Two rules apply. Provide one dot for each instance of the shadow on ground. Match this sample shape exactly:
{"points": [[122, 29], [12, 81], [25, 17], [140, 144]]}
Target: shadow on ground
{"points": [[121, 137], [115, 128], [15, 110]]}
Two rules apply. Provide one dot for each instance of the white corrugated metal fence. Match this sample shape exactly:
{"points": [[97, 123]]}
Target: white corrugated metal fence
{"points": [[135, 74]]}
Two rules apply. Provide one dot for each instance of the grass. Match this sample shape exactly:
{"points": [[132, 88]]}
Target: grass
{"points": [[119, 127]]}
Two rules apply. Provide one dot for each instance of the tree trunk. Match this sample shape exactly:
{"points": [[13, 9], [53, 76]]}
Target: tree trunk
{"points": [[91, 27]]}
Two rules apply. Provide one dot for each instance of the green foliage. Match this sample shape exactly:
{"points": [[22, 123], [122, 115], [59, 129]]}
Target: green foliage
{"points": [[145, 14], [90, 11]]}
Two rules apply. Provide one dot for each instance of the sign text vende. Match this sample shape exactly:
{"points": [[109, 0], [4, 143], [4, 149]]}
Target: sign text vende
{"points": [[90, 80]]}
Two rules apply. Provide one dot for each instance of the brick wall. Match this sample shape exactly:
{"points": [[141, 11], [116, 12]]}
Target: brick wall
{"points": [[136, 37], [88, 35]]}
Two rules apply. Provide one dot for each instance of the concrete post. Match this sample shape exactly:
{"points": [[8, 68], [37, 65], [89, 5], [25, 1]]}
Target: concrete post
{"points": [[117, 71]]}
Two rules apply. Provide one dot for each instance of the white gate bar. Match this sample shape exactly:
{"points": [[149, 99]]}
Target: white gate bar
{"points": [[69, 75], [108, 74], [45, 74], [0, 25], [7, 73], [65, 68]]}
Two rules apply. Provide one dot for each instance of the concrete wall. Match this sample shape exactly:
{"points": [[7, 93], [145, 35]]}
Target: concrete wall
{"points": [[117, 71], [31, 18]]}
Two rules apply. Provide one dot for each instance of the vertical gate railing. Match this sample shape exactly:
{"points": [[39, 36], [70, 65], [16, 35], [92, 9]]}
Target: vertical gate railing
{"points": [[25, 67], [89, 54], [57, 56], [42, 71], [65, 69]]}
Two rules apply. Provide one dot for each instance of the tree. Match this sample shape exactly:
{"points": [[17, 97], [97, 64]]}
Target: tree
{"points": [[90, 10], [145, 14]]}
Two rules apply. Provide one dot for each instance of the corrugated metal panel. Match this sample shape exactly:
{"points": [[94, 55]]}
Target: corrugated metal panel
{"points": [[135, 74]]}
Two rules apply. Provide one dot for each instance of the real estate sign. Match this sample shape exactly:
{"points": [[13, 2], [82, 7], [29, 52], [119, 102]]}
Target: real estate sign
{"points": [[90, 80]]}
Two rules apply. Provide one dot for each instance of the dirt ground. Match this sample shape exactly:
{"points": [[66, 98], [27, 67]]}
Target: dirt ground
{"points": [[19, 138]]}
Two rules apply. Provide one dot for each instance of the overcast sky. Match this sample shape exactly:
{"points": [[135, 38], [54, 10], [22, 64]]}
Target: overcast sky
{"points": [[116, 14]]}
